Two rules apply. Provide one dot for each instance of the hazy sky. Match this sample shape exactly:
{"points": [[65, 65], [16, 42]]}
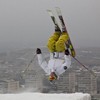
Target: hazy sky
{"points": [[25, 23]]}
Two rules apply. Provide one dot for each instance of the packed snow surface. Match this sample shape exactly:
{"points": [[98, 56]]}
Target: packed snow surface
{"points": [[44, 96]]}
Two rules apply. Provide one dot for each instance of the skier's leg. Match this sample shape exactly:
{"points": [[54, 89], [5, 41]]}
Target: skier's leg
{"points": [[60, 44], [52, 40]]}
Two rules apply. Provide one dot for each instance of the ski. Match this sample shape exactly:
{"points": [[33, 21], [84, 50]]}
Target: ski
{"points": [[69, 41], [53, 18], [65, 29]]}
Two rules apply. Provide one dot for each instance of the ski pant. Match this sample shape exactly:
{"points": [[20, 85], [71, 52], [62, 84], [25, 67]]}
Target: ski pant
{"points": [[56, 42]]}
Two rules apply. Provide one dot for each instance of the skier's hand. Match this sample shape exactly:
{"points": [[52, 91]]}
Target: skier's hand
{"points": [[38, 51]]}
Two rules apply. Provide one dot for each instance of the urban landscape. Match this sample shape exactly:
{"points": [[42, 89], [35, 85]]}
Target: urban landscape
{"points": [[75, 79]]}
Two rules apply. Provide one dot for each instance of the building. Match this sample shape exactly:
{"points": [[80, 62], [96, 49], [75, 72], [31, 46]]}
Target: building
{"points": [[33, 80], [3, 86], [86, 82], [9, 86], [67, 82], [13, 86], [98, 82]]}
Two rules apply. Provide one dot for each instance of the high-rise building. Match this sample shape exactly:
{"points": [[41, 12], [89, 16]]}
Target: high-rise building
{"points": [[86, 82], [13, 86]]}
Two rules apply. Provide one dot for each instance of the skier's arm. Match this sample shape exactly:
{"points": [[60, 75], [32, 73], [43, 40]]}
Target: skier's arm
{"points": [[66, 64], [67, 61], [67, 58], [42, 62]]}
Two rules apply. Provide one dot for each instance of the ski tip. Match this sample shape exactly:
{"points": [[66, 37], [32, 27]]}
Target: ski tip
{"points": [[58, 10], [50, 12]]}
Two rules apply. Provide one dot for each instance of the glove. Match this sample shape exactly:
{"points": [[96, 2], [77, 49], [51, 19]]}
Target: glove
{"points": [[38, 51], [66, 52]]}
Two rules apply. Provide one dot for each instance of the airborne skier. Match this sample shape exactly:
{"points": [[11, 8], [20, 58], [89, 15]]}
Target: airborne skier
{"points": [[60, 59], [60, 48]]}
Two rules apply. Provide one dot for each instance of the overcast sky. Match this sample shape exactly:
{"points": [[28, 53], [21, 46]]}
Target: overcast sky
{"points": [[25, 23]]}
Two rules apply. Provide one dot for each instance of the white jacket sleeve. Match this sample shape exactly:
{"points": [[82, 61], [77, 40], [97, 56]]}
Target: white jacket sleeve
{"points": [[67, 63], [43, 64]]}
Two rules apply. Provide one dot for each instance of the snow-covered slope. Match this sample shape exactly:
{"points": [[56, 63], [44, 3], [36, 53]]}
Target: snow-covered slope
{"points": [[42, 96]]}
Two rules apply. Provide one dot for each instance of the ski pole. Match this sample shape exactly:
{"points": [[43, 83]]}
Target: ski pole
{"points": [[85, 67], [29, 64]]}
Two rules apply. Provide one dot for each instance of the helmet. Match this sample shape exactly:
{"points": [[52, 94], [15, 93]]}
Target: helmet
{"points": [[52, 76]]}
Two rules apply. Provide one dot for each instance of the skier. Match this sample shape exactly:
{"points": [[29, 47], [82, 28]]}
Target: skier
{"points": [[60, 59]]}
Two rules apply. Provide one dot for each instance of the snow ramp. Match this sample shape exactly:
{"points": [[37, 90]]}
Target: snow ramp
{"points": [[44, 96]]}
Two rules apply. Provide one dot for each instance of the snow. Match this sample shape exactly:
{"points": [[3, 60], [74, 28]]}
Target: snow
{"points": [[44, 96]]}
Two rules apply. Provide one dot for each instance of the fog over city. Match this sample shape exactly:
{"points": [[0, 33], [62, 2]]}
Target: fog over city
{"points": [[26, 23]]}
